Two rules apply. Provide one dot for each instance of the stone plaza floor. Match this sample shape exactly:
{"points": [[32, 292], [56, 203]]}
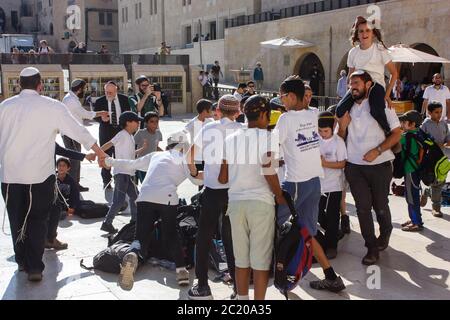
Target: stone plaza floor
{"points": [[415, 266]]}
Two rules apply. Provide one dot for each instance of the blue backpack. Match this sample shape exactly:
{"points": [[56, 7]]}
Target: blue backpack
{"points": [[293, 252]]}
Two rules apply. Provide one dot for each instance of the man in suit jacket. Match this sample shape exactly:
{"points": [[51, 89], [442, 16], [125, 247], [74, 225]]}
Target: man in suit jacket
{"points": [[115, 104]]}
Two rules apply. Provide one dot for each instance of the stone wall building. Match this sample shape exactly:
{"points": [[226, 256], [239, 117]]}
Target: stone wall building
{"points": [[98, 24], [423, 25], [16, 16]]}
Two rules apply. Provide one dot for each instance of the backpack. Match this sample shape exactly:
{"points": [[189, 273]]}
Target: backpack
{"points": [[110, 259], [92, 210], [293, 252], [126, 234], [433, 165]]}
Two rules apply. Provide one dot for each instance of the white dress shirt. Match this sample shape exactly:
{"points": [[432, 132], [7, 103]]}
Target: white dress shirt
{"points": [[29, 124], [72, 103], [165, 172], [118, 110]]}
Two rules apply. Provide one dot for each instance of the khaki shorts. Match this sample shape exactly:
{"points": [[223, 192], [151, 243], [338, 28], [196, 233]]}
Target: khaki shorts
{"points": [[253, 232]]}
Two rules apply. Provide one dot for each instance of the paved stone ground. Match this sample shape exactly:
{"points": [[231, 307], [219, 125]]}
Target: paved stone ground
{"points": [[416, 266]]}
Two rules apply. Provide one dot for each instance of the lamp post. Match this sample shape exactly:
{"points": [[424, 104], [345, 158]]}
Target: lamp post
{"points": [[200, 43]]}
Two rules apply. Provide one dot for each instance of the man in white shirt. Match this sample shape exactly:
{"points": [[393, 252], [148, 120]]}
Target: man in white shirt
{"points": [[72, 102], [210, 141], [29, 124], [440, 93], [369, 165]]}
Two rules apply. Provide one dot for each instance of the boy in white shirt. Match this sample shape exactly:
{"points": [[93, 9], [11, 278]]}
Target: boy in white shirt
{"points": [[253, 181], [125, 147], [334, 155], [299, 139]]}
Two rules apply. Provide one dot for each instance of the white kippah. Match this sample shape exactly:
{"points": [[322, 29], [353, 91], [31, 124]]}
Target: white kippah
{"points": [[29, 72]]}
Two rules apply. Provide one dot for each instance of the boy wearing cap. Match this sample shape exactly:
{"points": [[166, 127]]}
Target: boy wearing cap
{"points": [[411, 122], [334, 156], [214, 200], [253, 184], [438, 130], [124, 145], [157, 200]]}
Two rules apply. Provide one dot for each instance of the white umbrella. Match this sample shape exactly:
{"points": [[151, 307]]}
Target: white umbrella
{"points": [[403, 53], [286, 42]]}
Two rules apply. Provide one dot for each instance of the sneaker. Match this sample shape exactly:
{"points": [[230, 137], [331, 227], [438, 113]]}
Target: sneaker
{"points": [[331, 253], [200, 293], [83, 189], [56, 245], [108, 227], [35, 277], [345, 224], [335, 286], [437, 214], [413, 228], [371, 257], [183, 278], [127, 270]]}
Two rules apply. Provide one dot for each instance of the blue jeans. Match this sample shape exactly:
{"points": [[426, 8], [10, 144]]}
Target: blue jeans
{"points": [[412, 188], [123, 186], [306, 196]]}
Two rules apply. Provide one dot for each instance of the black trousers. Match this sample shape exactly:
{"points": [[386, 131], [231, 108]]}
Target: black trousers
{"points": [[214, 204], [147, 215], [370, 189], [377, 106], [29, 251], [106, 133], [74, 164], [53, 221], [329, 217]]}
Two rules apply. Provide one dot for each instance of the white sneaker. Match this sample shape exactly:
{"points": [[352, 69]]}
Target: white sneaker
{"points": [[183, 277], [128, 268]]}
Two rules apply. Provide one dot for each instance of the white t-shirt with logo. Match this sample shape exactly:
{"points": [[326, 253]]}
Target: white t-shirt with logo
{"points": [[441, 95], [125, 149], [365, 134], [333, 150], [299, 139], [246, 153], [372, 60]]}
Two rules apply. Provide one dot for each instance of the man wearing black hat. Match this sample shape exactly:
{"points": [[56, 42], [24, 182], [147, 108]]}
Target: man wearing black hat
{"points": [[148, 99], [27, 165], [72, 102], [125, 148], [115, 104]]}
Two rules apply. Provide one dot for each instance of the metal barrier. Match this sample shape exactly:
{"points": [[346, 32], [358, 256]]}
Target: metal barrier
{"points": [[320, 102]]}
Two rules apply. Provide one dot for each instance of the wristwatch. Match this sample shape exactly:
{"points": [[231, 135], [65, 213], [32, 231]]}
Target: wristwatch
{"points": [[380, 151]]}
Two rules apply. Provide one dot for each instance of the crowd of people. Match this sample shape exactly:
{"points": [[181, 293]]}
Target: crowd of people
{"points": [[242, 152]]}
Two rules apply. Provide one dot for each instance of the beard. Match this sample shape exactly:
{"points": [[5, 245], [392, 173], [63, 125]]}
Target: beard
{"points": [[358, 95], [80, 95]]}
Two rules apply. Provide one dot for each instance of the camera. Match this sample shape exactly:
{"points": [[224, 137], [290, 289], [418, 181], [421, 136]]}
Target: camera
{"points": [[157, 87]]}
